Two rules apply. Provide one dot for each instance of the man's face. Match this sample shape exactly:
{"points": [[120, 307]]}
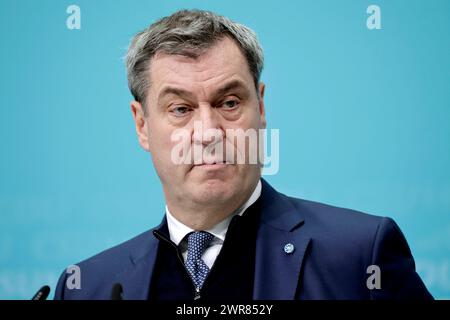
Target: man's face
{"points": [[217, 91]]}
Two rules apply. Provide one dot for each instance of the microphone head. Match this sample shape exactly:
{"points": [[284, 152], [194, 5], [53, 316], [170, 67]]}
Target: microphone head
{"points": [[42, 294], [116, 292]]}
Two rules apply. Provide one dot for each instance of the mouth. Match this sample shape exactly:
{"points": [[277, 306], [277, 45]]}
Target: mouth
{"points": [[214, 165]]}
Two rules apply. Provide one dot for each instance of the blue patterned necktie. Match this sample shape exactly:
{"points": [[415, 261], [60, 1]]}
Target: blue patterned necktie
{"points": [[198, 270]]}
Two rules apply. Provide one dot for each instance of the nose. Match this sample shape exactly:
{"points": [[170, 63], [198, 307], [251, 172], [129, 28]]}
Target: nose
{"points": [[207, 125]]}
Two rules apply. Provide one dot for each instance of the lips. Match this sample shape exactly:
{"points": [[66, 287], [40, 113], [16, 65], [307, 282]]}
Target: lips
{"points": [[211, 161], [211, 164], [214, 165]]}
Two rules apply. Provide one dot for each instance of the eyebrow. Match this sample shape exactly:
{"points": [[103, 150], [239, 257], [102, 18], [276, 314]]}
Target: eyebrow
{"points": [[234, 84]]}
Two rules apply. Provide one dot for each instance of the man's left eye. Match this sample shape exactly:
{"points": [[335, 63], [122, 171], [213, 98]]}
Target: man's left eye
{"points": [[230, 104]]}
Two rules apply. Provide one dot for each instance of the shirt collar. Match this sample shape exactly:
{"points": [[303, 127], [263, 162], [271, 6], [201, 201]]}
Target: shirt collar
{"points": [[178, 230]]}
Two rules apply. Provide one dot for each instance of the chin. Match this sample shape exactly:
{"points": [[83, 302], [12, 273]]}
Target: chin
{"points": [[214, 190]]}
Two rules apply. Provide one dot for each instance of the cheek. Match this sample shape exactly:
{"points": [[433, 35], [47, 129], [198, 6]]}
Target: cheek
{"points": [[253, 114], [251, 118], [158, 138], [164, 145]]}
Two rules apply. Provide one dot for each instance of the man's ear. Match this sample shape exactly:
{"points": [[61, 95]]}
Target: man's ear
{"points": [[262, 111], [141, 124]]}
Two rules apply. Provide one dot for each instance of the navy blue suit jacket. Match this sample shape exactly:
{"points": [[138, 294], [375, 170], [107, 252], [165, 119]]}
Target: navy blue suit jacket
{"points": [[333, 247]]}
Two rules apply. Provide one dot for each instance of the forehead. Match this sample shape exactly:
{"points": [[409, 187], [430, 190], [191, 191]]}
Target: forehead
{"points": [[223, 61]]}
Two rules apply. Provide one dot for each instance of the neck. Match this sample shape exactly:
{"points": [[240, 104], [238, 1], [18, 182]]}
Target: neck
{"points": [[205, 216]]}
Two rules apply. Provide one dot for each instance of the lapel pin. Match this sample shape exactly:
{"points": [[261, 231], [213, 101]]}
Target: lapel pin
{"points": [[289, 248]]}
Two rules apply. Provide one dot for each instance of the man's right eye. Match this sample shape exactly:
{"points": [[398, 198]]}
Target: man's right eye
{"points": [[179, 111]]}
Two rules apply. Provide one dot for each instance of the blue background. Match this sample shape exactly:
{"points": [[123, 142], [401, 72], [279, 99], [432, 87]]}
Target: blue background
{"points": [[364, 119]]}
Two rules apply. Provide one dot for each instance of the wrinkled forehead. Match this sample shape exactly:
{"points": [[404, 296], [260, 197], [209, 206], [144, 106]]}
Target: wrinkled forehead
{"points": [[205, 71]]}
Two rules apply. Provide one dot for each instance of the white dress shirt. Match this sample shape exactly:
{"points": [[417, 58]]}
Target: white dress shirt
{"points": [[178, 230]]}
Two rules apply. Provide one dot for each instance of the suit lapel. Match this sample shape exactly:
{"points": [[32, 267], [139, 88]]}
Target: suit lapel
{"points": [[135, 279], [277, 271]]}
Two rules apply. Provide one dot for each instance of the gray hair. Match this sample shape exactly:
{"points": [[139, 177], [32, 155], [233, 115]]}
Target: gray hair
{"points": [[188, 33]]}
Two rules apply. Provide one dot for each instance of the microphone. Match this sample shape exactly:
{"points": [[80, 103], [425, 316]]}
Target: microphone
{"points": [[116, 292], [42, 294]]}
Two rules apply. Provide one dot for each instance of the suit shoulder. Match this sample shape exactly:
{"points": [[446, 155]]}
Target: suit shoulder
{"points": [[121, 253], [344, 223], [98, 272]]}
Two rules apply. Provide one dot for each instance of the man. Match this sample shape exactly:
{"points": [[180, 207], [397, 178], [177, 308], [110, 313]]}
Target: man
{"points": [[227, 234]]}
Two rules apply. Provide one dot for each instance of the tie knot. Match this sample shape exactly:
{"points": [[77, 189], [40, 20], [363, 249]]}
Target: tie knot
{"points": [[198, 241]]}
